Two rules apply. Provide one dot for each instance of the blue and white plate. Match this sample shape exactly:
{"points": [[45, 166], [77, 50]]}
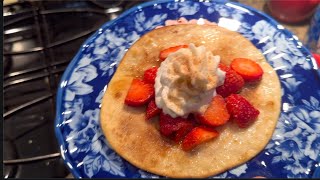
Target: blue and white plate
{"points": [[295, 145]]}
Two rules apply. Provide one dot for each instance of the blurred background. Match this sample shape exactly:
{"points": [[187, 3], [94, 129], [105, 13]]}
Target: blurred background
{"points": [[40, 39]]}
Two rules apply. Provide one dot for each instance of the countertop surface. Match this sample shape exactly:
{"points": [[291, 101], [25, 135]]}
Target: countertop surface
{"points": [[300, 30]]}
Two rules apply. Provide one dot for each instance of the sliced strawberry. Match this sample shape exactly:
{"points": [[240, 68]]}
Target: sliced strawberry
{"points": [[317, 57], [248, 69], [152, 110], [233, 82], [164, 53], [223, 67], [241, 110], [197, 136], [216, 114], [139, 93], [185, 128], [150, 75], [169, 126]]}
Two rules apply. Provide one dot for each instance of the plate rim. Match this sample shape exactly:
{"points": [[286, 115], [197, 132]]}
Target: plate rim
{"points": [[68, 71]]}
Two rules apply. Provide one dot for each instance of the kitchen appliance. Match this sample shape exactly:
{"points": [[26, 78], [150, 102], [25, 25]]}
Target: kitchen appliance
{"points": [[40, 38]]}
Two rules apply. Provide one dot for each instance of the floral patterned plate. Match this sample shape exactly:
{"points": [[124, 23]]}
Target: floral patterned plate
{"points": [[295, 145]]}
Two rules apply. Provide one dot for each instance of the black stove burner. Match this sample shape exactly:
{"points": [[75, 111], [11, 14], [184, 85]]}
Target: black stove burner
{"points": [[40, 39], [111, 3], [6, 64], [9, 153]]}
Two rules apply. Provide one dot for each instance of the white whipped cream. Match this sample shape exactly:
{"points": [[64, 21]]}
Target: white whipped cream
{"points": [[186, 81]]}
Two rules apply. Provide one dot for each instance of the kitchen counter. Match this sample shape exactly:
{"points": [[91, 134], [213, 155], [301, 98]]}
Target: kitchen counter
{"points": [[300, 30]]}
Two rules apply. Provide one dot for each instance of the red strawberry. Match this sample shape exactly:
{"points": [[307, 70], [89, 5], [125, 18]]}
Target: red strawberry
{"points": [[233, 82], [152, 110], [248, 69], [139, 93], [183, 131], [317, 57], [197, 136], [165, 53], [169, 126], [150, 75], [224, 67], [241, 111], [216, 114]]}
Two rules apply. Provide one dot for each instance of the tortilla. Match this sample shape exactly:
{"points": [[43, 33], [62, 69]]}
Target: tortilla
{"points": [[140, 142]]}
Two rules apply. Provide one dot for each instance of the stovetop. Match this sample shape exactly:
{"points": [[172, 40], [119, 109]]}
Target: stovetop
{"points": [[40, 39]]}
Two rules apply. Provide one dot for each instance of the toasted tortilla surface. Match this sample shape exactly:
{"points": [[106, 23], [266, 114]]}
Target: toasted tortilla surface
{"points": [[140, 142]]}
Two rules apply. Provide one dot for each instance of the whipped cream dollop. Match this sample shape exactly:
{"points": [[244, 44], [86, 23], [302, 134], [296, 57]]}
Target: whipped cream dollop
{"points": [[186, 81]]}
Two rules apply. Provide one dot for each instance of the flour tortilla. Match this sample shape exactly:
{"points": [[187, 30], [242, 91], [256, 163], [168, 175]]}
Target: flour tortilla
{"points": [[139, 141]]}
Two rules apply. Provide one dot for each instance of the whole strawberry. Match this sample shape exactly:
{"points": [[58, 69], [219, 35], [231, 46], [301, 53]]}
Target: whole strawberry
{"points": [[241, 111], [233, 82]]}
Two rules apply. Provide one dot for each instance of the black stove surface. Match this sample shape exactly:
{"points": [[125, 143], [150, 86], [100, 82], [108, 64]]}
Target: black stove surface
{"points": [[40, 39]]}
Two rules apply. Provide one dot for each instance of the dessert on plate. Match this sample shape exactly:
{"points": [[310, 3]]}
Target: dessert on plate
{"points": [[191, 100]]}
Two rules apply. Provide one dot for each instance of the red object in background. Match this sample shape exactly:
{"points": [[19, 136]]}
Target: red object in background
{"points": [[292, 11], [317, 57]]}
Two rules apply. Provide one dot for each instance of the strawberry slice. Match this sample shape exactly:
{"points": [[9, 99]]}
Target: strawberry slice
{"points": [[139, 93], [233, 82], [170, 126], [150, 75], [197, 136], [185, 128], [241, 110], [165, 53], [248, 69], [216, 114], [317, 57], [223, 67], [152, 110]]}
